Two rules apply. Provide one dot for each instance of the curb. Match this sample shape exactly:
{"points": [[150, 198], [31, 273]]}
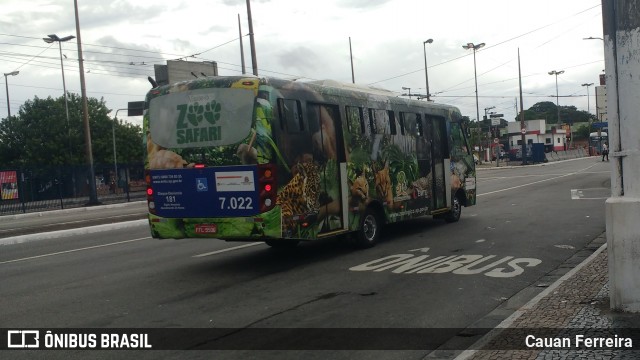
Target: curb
{"points": [[72, 232], [68, 211]]}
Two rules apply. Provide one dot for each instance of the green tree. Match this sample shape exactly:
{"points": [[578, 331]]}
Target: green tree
{"points": [[582, 132], [40, 134], [549, 111]]}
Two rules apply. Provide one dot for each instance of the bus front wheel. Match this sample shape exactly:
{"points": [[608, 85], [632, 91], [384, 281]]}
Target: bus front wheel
{"points": [[369, 231]]}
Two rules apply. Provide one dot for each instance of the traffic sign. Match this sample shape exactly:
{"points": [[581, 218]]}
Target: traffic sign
{"points": [[600, 125], [523, 131], [495, 119]]}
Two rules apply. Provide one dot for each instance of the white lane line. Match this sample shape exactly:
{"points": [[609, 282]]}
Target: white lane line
{"points": [[73, 250], [536, 182], [228, 249]]}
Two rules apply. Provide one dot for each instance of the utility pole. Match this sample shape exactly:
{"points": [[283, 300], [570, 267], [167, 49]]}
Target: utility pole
{"points": [[621, 19], [244, 71], [252, 41], [523, 126], [93, 196], [353, 76]]}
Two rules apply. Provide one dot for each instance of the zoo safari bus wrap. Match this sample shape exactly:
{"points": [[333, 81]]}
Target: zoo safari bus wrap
{"points": [[266, 159]]}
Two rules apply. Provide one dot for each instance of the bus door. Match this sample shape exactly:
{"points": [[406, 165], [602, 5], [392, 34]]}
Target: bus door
{"points": [[439, 154], [328, 150]]}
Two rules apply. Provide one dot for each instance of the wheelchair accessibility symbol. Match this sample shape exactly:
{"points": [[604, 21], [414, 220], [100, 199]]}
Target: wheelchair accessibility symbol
{"points": [[201, 184]]}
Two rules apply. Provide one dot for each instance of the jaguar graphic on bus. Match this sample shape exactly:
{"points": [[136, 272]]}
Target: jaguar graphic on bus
{"points": [[266, 159]]}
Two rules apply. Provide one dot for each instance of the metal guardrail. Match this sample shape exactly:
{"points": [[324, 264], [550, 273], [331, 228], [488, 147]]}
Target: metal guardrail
{"points": [[62, 187], [17, 207]]}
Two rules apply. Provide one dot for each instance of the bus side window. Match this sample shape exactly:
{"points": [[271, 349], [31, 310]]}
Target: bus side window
{"points": [[291, 115], [392, 122], [366, 122], [355, 120], [380, 121], [419, 129], [409, 124], [458, 143], [439, 136]]}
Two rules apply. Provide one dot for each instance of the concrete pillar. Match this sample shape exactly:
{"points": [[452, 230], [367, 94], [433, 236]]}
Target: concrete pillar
{"points": [[621, 20]]}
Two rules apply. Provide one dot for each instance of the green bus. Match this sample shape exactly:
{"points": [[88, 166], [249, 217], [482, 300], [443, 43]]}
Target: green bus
{"points": [[265, 159]]}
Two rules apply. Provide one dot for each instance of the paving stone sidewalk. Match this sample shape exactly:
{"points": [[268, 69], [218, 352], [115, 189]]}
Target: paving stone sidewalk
{"points": [[577, 304]]}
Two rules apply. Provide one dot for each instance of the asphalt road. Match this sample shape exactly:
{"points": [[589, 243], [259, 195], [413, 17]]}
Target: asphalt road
{"points": [[529, 227]]}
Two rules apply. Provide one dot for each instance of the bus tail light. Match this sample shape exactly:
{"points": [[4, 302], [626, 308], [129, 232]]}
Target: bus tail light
{"points": [[267, 186], [150, 203]]}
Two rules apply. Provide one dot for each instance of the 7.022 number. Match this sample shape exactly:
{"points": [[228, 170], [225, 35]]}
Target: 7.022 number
{"points": [[235, 203]]}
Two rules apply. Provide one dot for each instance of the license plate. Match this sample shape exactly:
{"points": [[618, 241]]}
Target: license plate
{"points": [[206, 228]]}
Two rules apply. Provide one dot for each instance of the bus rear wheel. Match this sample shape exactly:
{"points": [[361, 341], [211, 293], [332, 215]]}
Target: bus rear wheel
{"points": [[282, 244], [456, 211], [369, 231]]}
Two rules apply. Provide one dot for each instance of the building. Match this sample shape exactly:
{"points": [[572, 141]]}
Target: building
{"points": [[176, 70], [601, 100], [554, 138]]}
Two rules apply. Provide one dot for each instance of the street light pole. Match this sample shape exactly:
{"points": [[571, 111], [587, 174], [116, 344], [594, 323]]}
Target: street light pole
{"points": [[556, 73], [588, 105], [475, 75], [407, 88], [485, 110], [54, 38], [6, 84], [485, 117], [426, 72], [115, 159], [588, 111]]}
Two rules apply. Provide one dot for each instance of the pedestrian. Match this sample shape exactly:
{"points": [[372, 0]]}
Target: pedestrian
{"points": [[605, 151]]}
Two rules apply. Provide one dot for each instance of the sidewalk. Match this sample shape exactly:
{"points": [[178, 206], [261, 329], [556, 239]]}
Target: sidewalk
{"points": [[50, 224], [576, 304]]}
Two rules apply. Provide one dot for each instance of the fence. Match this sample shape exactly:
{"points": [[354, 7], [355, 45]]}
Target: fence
{"points": [[59, 187], [567, 154]]}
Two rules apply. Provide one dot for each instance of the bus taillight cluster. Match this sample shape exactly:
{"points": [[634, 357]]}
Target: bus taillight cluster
{"points": [[151, 204], [267, 186]]}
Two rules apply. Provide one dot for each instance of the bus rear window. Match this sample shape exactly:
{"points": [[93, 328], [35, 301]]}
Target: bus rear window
{"points": [[201, 118]]}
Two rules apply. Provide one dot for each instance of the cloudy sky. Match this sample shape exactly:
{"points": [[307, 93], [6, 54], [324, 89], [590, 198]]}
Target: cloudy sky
{"points": [[309, 40]]}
